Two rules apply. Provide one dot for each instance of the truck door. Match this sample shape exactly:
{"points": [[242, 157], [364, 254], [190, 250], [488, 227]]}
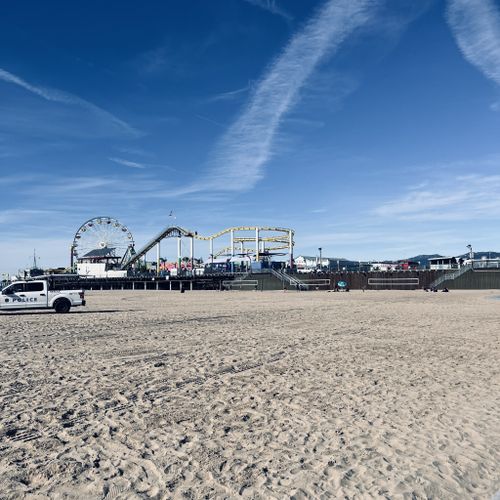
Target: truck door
{"points": [[35, 294], [11, 297]]}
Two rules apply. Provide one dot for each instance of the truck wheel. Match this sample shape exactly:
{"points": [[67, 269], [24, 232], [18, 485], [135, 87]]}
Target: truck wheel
{"points": [[62, 305]]}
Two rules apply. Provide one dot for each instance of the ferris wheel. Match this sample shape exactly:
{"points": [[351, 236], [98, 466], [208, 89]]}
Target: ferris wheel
{"points": [[102, 237]]}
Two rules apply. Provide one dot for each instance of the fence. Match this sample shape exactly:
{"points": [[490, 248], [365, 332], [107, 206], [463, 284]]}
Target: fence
{"points": [[241, 285], [313, 284], [391, 282]]}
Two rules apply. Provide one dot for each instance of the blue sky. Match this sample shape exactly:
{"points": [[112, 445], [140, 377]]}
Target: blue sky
{"points": [[370, 127]]}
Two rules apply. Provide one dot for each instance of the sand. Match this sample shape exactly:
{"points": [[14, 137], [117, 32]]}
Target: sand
{"points": [[254, 395]]}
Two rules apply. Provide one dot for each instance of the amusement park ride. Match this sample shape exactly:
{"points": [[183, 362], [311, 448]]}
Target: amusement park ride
{"points": [[106, 240]]}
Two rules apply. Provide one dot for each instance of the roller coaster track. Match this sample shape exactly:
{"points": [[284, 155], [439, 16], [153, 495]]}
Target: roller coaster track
{"points": [[247, 251], [177, 232], [250, 228]]}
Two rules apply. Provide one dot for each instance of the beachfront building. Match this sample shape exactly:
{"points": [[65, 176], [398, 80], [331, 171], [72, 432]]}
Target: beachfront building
{"points": [[309, 264], [445, 263], [400, 265], [383, 266], [485, 263], [408, 265], [99, 263]]}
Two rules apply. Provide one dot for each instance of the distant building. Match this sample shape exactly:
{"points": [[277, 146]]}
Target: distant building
{"points": [[408, 265], [309, 264], [383, 266], [445, 263], [306, 263], [400, 265], [485, 263], [100, 263]]}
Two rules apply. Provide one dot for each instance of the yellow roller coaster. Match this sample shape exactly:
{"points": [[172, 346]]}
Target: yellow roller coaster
{"points": [[266, 242]]}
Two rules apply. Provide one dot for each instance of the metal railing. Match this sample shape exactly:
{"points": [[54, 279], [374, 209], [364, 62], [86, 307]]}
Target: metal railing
{"points": [[450, 276], [393, 281], [289, 279], [317, 282], [486, 264], [240, 284]]}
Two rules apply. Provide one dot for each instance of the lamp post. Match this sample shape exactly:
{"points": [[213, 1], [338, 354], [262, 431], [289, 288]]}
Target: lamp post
{"points": [[320, 262], [471, 255]]}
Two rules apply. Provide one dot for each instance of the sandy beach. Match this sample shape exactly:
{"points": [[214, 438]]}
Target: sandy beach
{"points": [[253, 394]]}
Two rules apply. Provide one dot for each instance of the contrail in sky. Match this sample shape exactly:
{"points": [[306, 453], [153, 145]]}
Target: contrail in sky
{"points": [[241, 153], [66, 98], [476, 27]]}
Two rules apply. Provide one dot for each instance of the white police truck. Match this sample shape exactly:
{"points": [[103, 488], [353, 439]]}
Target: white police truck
{"points": [[44, 293]]}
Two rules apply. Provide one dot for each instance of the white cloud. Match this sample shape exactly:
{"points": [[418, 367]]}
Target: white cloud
{"points": [[154, 60], [16, 216], [230, 94], [209, 120], [78, 184], [109, 190], [141, 165], [240, 155], [70, 99], [459, 198], [273, 7], [17, 179], [476, 27], [136, 151], [127, 163]]}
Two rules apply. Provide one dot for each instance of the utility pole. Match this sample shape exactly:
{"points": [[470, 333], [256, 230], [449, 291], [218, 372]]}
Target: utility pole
{"points": [[320, 261]]}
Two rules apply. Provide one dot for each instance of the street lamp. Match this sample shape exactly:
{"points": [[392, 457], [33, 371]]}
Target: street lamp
{"points": [[320, 262], [471, 255]]}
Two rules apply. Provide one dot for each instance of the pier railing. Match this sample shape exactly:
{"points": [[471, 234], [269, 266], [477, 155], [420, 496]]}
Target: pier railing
{"points": [[289, 279], [239, 284], [450, 276]]}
